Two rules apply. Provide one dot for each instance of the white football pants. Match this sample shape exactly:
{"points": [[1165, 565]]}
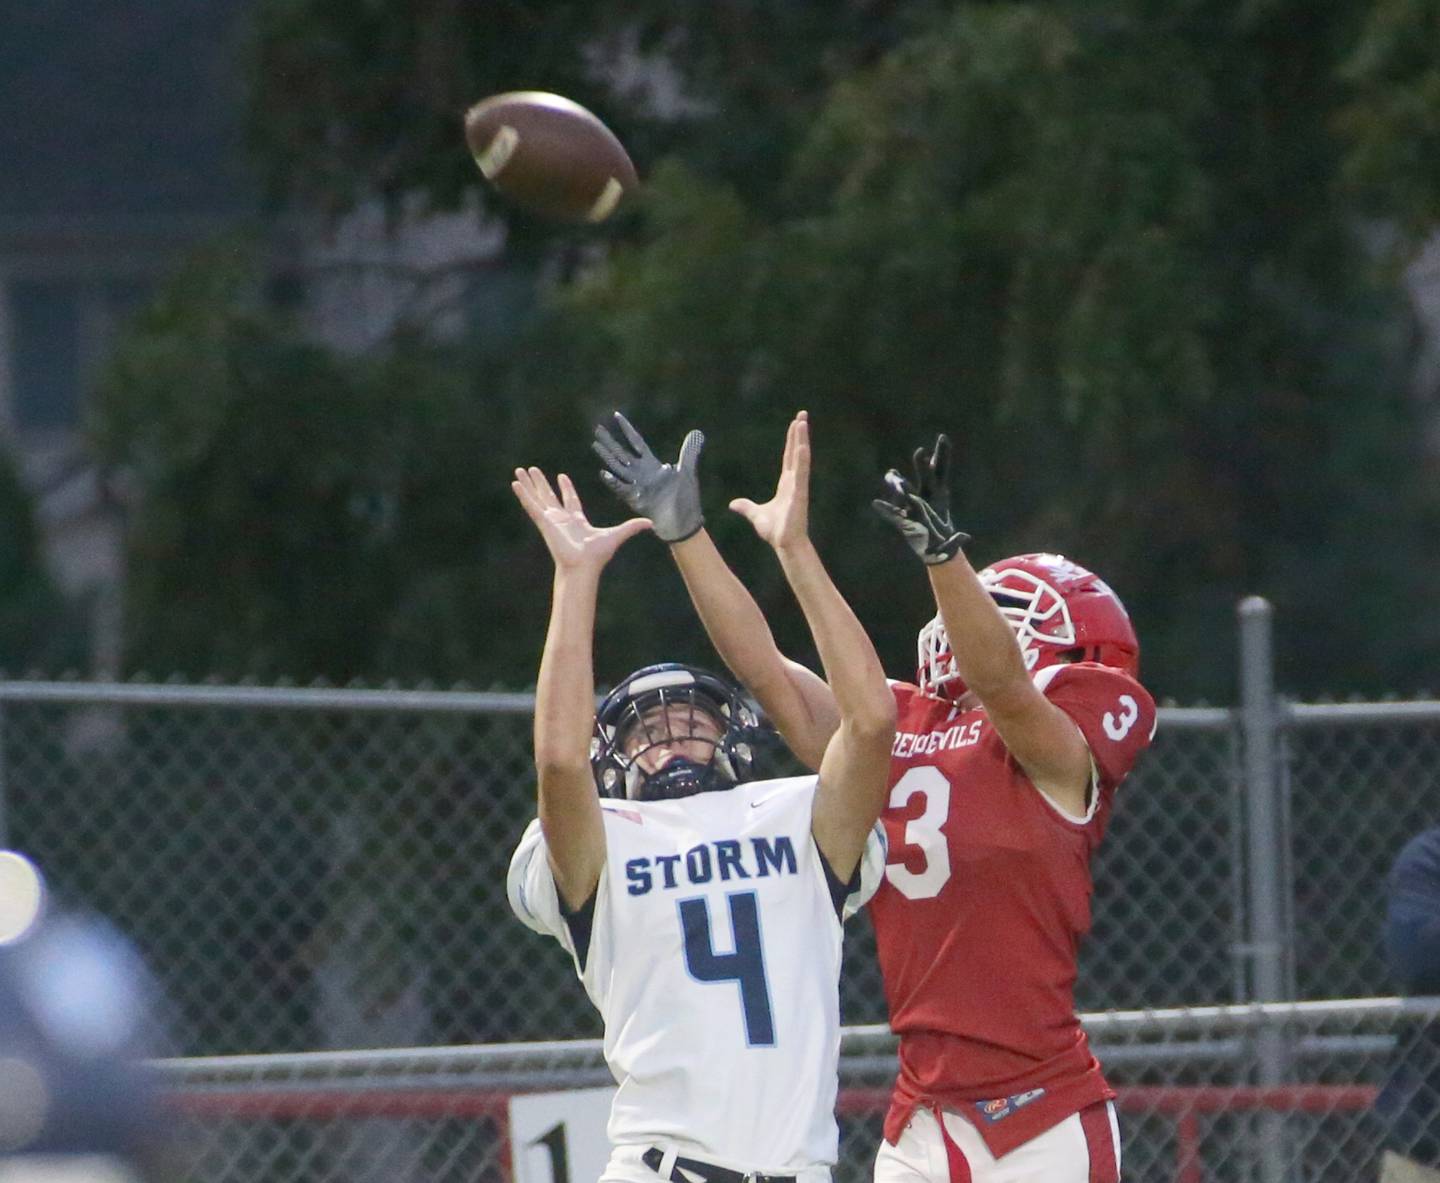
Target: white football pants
{"points": [[1084, 1148]]}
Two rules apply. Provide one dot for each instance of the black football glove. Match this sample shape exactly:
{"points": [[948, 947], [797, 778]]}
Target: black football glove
{"points": [[921, 510], [667, 494]]}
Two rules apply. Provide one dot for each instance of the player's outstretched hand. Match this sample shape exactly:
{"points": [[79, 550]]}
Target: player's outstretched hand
{"points": [[572, 541], [785, 519], [920, 510], [667, 494]]}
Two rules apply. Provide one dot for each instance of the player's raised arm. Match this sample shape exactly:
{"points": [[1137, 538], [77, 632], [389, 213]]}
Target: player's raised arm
{"points": [[565, 691], [796, 699], [856, 763], [1041, 737]]}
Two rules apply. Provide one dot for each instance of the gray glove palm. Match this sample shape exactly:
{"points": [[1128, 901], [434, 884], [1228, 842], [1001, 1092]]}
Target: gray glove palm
{"points": [[667, 494], [921, 510]]}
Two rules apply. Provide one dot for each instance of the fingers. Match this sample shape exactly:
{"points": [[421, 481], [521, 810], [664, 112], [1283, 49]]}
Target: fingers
{"points": [[633, 437], [940, 461], [745, 508], [798, 428], [524, 496], [690, 451], [795, 463], [524, 489], [539, 500], [568, 497], [920, 465], [801, 463], [890, 512], [932, 469], [611, 453], [537, 485], [628, 529], [899, 487]]}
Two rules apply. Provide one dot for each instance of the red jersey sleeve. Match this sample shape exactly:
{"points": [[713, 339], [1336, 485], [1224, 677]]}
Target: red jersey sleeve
{"points": [[1115, 714]]}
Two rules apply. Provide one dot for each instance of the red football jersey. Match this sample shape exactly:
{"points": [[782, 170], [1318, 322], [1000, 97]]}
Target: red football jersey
{"points": [[985, 901]]}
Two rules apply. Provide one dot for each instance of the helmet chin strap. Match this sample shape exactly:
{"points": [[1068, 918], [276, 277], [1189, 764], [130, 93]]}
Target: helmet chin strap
{"points": [[678, 778]]}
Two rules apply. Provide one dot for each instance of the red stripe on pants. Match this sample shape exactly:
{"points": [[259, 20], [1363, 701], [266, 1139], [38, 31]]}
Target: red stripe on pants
{"points": [[954, 1156], [1095, 1121]]}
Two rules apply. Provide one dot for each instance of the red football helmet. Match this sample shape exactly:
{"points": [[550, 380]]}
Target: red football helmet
{"points": [[1060, 612]]}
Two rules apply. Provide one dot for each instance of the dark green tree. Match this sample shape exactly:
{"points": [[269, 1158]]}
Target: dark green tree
{"points": [[291, 504], [1390, 123], [38, 631], [1116, 249], [1151, 320]]}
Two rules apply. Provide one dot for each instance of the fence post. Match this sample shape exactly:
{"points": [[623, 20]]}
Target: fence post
{"points": [[1266, 858]]}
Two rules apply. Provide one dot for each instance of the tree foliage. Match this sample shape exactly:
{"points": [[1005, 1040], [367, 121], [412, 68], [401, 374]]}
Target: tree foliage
{"points": [[1391, 122], [294, 505], [1112, 248], [37, 631]]}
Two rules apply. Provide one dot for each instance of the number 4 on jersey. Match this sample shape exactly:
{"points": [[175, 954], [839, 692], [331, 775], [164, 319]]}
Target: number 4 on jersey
{"points": [[745, 966]]}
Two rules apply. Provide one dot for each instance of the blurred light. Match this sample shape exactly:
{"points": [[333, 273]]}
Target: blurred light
{"points": [[24, 1103], [22, 896], [82, 982], [66, 1168]]}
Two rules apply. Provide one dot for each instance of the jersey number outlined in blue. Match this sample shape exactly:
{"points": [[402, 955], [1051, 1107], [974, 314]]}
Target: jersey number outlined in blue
{"points": [[745, 966]]}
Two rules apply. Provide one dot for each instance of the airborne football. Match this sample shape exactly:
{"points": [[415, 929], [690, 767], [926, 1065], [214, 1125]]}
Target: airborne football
{"points": [[549, 156], [556, 620]]}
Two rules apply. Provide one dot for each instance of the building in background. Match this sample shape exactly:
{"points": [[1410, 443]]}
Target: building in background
{"points": [[123, 149]]}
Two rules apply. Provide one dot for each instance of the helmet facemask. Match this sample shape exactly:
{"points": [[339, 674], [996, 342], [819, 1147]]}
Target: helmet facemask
{"points": [[1041, 617], [692, 721], [936, 663], [938, 673], [1035, 612]]}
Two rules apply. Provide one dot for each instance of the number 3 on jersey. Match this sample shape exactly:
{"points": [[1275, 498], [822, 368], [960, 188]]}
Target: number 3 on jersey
{"points": [[924, 832], [745, 966], [1118, 727]]}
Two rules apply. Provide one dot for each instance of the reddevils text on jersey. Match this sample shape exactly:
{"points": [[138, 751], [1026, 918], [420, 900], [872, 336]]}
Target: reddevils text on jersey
{"points": [[985, 901]]}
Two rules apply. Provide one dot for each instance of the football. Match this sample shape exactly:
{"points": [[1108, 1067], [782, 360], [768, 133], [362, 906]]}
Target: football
{"points": [[549, 155]]}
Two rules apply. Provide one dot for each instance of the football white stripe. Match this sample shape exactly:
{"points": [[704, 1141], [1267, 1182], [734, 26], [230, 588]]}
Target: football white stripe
{"points": [[498, 152], [606, 202]]}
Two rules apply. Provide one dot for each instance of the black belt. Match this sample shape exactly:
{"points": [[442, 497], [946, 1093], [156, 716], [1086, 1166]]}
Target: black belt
{"points": [[709, 1172]]}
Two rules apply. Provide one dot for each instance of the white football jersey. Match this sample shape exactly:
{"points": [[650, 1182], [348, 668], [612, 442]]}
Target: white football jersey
{"points": [[714, 960]]}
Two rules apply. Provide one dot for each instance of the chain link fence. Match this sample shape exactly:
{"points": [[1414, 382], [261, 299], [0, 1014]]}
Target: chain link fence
{"points": [[1190, 1110], [324, 869]]}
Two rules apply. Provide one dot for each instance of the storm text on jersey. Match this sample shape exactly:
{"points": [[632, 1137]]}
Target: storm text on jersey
{"points": [[724, 860]]}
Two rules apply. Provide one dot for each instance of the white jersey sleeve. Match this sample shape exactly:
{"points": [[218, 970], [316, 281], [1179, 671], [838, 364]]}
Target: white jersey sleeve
{"points": [[872, 871], [531, 888], [714, 960]]}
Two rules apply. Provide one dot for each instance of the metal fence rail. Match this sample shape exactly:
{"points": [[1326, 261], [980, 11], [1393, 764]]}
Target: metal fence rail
{"points": [[1173, 1128], [325, 868], [311, 869]]}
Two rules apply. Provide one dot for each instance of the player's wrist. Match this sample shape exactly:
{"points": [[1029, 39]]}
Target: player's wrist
{"points": [[579, 574], [945, 550], [681, 539], [797, 549]]}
